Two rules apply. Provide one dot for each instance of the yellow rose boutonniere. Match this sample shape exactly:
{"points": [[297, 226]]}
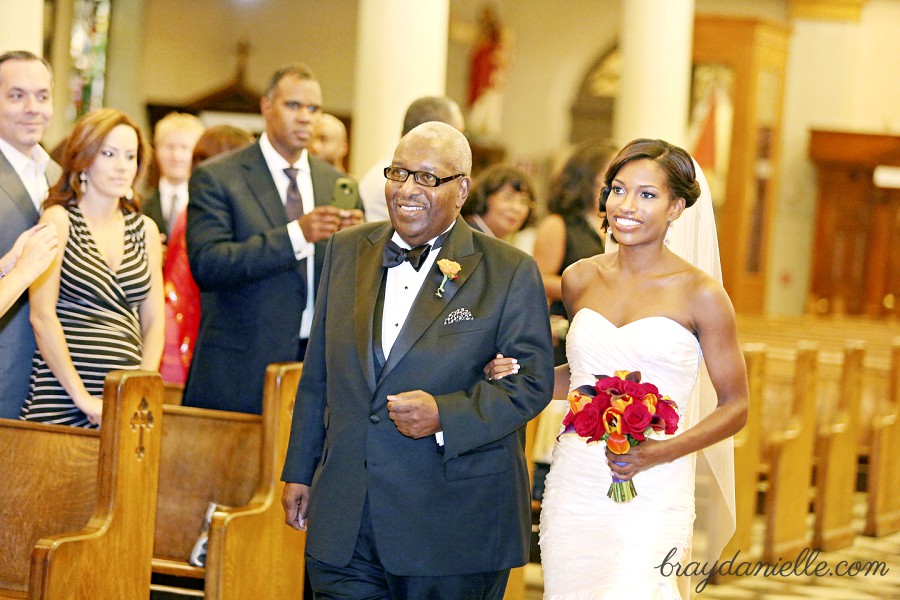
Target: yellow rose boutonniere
{"points": [[450, 269]]}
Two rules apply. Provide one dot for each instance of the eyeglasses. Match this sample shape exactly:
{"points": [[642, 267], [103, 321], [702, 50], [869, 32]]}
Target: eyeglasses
{"points": [[421, 177], [512, 197]]}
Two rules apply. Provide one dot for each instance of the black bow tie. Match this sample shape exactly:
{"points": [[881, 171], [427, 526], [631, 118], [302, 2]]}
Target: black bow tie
{"points": [[394, 255]]}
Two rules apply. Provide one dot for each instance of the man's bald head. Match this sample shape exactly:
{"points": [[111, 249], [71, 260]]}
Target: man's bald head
{"points": [[330, 140], [433, 108], [454, 145]]}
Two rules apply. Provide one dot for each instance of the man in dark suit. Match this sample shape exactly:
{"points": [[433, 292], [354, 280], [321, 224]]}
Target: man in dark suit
{"points": [[408, 463], [174, 138], [26, 173], [257, 222]]}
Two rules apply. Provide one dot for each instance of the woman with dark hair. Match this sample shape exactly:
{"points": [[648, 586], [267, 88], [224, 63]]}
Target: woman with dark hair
{"points": [[182, 295], [501, 202], [573, 229], [642, 309], [99, 306]]}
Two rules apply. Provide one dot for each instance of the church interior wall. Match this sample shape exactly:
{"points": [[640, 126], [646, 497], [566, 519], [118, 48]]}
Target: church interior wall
{"points": [[840, 75]]}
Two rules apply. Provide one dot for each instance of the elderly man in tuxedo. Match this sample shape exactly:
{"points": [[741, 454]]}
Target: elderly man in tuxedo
{"points": [[407, 463], [26, 174], [256, 225]]}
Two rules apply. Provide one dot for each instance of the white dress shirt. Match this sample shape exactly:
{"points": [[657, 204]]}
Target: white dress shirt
{"points": [[401, 287], [32, 170], [173, 200], [302, 248]]}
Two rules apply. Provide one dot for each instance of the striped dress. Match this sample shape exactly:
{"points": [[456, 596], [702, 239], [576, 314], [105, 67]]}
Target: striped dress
{"points": [[98, 310]]}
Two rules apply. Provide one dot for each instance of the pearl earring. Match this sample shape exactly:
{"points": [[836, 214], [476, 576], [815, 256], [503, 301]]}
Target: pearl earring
{"points": [[82, 185], [129, 195]]}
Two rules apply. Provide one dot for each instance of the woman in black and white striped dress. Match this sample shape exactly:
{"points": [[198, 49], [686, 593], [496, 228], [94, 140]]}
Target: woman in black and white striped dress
{"points": [[99, 307]]}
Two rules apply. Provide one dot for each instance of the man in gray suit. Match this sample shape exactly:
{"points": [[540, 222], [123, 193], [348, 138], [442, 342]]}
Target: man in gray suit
{"points": [[26, 173], [257, 222]]}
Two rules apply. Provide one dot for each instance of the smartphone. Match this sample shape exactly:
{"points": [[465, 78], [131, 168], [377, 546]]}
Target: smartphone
{"points": [[345, 194]]}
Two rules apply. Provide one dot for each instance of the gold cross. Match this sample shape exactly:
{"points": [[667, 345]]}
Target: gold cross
{"points": [[141, 420]]}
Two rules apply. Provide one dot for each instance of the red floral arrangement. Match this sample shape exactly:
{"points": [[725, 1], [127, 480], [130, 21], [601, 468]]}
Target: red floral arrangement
{"points": [[621, 411]]}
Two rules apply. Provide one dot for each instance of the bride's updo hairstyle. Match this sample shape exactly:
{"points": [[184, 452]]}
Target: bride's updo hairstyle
{"points": [[674, 161]]}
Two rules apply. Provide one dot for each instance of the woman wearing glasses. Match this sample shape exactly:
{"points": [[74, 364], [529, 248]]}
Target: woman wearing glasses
{"points": [[501, 202]]}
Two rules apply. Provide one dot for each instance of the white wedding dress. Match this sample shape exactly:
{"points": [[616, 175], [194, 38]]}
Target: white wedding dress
{"points": [[591, 546]]}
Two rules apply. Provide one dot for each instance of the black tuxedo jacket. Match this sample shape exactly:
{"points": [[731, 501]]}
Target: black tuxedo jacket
{"points": [[17, 213], [252, 293], [463, 508]]}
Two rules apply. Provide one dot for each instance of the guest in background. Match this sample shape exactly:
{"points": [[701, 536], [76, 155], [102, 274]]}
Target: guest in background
{"points": [[29, 257], [330, 141], [501, 202], [173, 141], [26, 173], [182, 295], [258, 222], [573, 228], [99, 307], [422, 110]]}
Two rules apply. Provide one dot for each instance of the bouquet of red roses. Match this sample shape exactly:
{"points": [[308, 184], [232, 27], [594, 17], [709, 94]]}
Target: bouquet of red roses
{"points": [[621, 411]]}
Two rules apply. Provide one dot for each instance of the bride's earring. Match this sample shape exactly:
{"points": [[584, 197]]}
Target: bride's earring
{"points": [[82, 182], [667, 241], [129, 195]]}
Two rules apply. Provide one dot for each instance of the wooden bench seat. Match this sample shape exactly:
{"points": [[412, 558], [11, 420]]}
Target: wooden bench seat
{"points": [[883, 514], [76, 505], [781, 335], [790, 445], [233, 460]]}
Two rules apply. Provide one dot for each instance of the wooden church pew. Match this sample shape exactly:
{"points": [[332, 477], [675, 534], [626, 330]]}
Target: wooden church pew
{"points": [[832, 334], [234, 460], [883, 514], [836, 458], [77, 505], [790, 448], [173, 393], [747, 445]]}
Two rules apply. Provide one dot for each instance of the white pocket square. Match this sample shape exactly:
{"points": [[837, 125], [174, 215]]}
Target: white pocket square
{"points": [[460, 314]]}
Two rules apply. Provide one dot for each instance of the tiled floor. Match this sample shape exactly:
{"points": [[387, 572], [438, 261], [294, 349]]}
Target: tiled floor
{"points": [[880, 586]]}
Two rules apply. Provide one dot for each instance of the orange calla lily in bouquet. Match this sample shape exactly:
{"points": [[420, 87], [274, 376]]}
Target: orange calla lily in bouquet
{"points": [[621, 411]]}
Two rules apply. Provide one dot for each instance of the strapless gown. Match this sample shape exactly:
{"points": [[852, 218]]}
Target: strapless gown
{"points": [[592, 547]]}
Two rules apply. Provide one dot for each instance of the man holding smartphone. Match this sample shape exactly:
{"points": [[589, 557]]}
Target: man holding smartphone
{"points": [[258, 220]]}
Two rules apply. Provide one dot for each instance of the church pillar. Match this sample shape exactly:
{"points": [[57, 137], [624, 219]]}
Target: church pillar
{"points": [[401, 55], [654, 95], [22, 26]]}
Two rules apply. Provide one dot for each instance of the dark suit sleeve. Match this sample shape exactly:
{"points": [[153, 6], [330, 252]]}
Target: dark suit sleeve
{"points": [[491, 410], [308, 422], [224, 249]]}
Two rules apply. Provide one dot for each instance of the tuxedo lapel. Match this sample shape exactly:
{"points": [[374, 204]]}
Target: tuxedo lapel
{"points": [[12, 185], [428, 306], [369, 272], [259, 180]]}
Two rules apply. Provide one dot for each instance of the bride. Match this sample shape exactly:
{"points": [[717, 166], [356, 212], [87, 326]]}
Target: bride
{"points": [[642, 308]]}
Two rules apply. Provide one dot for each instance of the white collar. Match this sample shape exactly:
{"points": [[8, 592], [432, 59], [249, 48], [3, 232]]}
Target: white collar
{"points": [[168, 189], [39, 158], [400, 242], [277, 161]]}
